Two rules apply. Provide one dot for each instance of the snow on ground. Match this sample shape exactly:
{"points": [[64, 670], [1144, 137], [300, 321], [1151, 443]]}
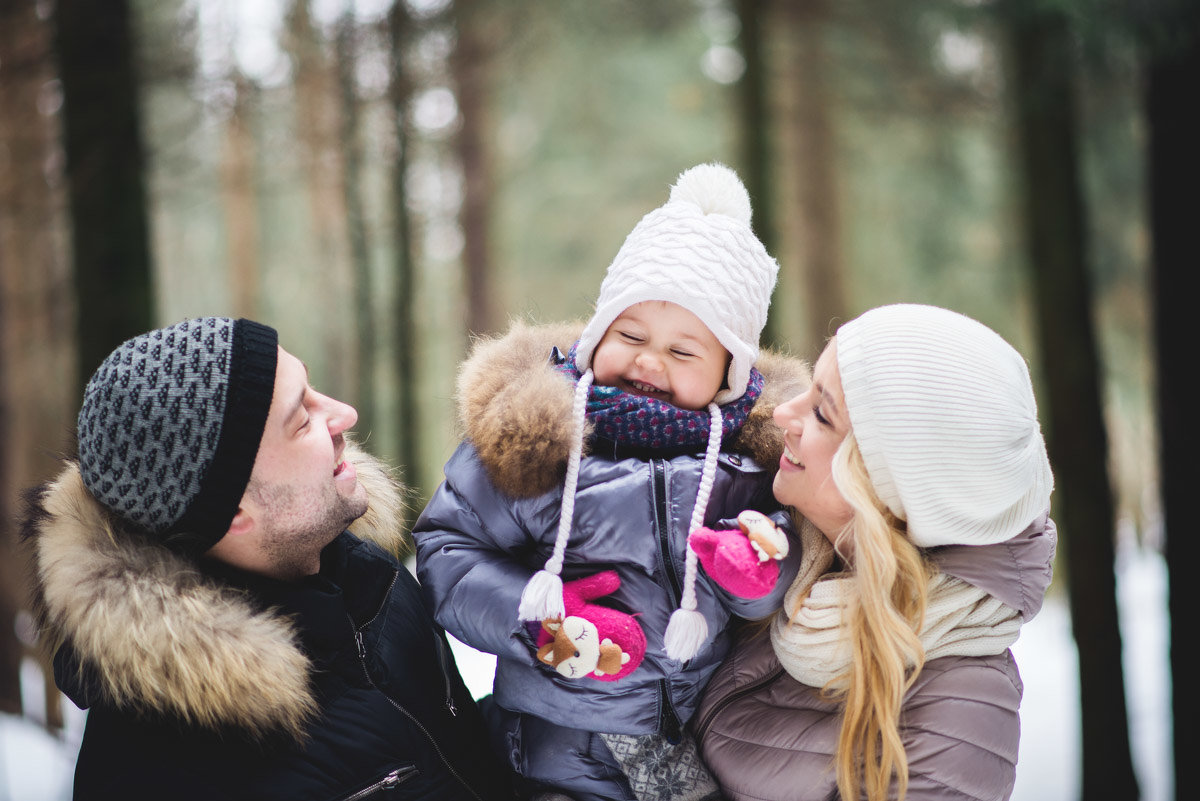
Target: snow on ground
{"points": [[35, 766]]}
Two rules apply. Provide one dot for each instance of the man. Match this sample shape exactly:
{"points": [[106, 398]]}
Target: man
{"points": [[206, 604]]}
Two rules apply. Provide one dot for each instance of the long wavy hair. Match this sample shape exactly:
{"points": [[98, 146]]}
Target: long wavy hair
{"points": [[886, 609]]}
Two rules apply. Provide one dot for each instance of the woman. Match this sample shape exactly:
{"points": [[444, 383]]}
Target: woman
{"points": [[917, 459]]}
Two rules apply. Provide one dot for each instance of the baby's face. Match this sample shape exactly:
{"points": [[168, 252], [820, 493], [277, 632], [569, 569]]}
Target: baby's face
{"points": [[660, 350]]}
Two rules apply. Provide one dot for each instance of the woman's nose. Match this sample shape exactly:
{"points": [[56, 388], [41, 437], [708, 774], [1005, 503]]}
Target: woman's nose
{"points": [[787, 414]]}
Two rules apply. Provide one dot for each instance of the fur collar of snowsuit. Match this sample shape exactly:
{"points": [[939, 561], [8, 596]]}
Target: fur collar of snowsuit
{"points": [[159, 636], [515, 407]]}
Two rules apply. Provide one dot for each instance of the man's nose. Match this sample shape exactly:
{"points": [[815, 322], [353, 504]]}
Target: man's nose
{"points": [[342, 417]]}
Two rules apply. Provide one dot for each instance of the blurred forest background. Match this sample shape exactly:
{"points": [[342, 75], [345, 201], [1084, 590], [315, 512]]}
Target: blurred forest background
{"points": [[382, 180]]}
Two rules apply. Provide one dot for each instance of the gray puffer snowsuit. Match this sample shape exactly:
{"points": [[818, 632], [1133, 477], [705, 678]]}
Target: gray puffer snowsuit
{"points": [[492, 525]]}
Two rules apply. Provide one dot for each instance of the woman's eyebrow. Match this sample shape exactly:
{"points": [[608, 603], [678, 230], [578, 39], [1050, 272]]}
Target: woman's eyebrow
{"points": [[828, 399]]}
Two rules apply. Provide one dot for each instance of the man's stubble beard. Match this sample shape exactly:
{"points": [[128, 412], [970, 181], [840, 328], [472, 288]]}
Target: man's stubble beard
{"points": [[297, 526]]}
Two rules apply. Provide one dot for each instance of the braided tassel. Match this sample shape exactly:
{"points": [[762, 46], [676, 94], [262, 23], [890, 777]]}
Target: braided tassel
{"points": [[687, 629], [542, 597]]}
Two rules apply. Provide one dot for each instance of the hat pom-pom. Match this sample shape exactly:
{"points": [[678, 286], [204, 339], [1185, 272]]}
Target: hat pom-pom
{"points": [[716, 189], [686, 632], [542, 597]]}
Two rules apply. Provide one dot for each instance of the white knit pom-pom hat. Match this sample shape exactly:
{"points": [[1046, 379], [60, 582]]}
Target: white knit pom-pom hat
{"points": [[698, 251], [944, 415]]}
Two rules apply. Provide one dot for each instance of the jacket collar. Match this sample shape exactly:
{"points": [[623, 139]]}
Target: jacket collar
{"points": [[137, 626]]}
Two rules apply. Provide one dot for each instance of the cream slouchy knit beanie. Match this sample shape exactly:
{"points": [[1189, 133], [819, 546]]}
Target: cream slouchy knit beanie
{"points": [[945, 417]]}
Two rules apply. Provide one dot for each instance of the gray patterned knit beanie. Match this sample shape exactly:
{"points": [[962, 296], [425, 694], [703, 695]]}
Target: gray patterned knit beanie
{"points": [[170, 427]]}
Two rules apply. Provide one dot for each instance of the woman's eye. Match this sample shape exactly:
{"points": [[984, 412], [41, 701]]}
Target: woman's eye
{"points": [[820, 417]]}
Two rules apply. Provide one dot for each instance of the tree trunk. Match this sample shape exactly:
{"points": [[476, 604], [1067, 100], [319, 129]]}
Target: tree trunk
{"points": [[1053, 211], [38, 375], [1174, 174], [102, 139], [240, 201], [319, 135], [469, 63], [356, 227], [404, 347], [819, 224], [755, 115]]}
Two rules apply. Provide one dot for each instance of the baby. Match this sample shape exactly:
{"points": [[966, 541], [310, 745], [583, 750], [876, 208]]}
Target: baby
{"points": [[606, 466]]}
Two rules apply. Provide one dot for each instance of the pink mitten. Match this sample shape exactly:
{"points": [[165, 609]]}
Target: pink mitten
{"points": [[743, 561], [592, 640]]}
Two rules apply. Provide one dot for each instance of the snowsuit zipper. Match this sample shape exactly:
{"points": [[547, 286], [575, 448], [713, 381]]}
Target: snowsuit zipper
{"points": [[668, 718]]}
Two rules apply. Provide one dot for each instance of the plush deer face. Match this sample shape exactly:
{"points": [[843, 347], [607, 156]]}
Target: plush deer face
{"points": [[577, 649]]}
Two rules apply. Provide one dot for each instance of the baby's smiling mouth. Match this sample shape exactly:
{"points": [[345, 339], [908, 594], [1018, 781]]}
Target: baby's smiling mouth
{"points": [[645, 389]]}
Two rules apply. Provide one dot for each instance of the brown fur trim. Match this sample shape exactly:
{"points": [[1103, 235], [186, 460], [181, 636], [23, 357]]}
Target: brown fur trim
{"points": [[515, 408], [162, 636], [383, 524], [785, 378]]}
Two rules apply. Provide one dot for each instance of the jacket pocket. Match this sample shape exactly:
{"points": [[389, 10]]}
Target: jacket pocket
{"points": [[389, 781]]}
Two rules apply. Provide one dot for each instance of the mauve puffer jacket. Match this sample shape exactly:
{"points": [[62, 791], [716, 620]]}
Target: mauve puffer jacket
{"points": [[766, 736]]}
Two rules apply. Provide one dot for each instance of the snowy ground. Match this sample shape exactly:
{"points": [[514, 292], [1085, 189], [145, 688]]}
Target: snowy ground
{"points": [[35, 766]]}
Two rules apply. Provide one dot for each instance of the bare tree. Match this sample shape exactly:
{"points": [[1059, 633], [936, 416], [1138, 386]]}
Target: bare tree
{"points": [[469, 66], [319, 134], [813, 143], [239, 199], [356, 226], [105, 167], [404, 345], [1044, 94], [1173, 51], [754, 113], [38, 384]]}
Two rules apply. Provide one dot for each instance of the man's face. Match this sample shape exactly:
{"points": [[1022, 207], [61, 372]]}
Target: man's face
{"points": [[302, 493]]}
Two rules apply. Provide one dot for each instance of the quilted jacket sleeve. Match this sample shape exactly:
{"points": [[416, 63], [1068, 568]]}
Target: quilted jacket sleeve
{"points": [[472, 558], [961, 729]]}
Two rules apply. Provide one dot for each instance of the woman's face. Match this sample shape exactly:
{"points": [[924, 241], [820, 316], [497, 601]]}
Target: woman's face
{"points": [[814, 424]]}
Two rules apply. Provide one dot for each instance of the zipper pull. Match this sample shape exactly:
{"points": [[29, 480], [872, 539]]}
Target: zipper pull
{"points": [[362, 648], [450, 705]]}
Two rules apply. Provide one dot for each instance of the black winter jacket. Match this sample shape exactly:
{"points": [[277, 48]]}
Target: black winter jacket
{"points": [[219, 684]]}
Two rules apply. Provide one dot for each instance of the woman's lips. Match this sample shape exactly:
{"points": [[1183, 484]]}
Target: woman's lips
{"points": [[789, 460]]}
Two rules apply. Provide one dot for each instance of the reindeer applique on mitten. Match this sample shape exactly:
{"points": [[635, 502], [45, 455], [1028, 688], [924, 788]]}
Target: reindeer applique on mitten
{"points": [[592, 641]]}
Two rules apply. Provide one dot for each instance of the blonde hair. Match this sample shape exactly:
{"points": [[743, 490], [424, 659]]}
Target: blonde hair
{"points": [[885, 612]]}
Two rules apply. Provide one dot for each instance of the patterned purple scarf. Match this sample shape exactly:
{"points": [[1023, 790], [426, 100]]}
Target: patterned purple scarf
{"points": [[632, 420]]}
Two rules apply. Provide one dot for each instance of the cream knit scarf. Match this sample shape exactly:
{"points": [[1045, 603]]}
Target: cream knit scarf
{"points": [[960, 619]]}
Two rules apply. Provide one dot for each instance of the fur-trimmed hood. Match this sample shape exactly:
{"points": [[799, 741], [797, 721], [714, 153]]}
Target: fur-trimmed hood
{"points": [[515, 407], [157, 634]]}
